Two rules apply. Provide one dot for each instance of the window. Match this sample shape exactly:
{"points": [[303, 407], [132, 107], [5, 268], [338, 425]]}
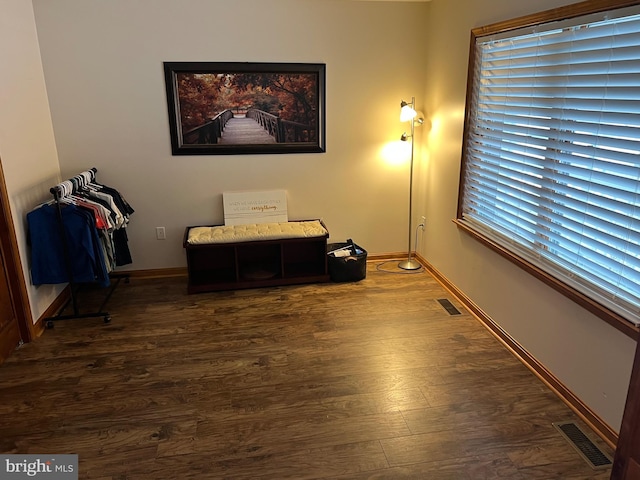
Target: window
{"points": [[551, 156]]}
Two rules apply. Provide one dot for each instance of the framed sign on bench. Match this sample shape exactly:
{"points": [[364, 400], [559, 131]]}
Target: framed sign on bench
{"points": [[241, 208]]}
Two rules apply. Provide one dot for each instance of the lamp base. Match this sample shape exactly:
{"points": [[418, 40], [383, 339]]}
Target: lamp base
{"points": [[409, 265]]}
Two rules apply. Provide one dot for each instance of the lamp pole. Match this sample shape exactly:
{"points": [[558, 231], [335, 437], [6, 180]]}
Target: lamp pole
{"points": [[409, 263]]}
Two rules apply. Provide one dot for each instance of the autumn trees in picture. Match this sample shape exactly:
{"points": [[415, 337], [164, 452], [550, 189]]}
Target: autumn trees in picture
{"points": [[246, 108]]}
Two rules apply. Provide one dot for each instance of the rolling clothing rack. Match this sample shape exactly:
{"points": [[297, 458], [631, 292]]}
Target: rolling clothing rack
{"points": [[79, 238]]}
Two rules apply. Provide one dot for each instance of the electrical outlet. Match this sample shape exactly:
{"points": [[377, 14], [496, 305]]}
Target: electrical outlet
{"points": [[160, 233], [423, 222]]}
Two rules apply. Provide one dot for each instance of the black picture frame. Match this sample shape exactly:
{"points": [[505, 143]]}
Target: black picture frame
{"points": [[286, 101]]}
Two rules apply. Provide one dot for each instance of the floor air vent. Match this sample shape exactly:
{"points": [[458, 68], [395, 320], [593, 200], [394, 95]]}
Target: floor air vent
{"points": [[595, 457], [448, 306]]}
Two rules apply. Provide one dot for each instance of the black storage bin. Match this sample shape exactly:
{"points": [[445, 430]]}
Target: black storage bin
{"points": [[350, 268]]}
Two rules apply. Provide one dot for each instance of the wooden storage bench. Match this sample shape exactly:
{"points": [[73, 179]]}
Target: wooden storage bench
{"points": [[257, 255]]}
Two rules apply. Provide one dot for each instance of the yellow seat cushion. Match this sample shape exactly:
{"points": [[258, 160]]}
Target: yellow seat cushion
{"points": [[255, 231]]}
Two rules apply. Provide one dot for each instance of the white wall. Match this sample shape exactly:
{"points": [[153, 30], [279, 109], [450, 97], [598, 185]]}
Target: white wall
{"points": [[591, 358], [27, 146], [104, 73]]}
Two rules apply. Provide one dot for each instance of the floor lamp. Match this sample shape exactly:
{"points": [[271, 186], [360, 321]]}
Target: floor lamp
{"points": [[408, 114]]}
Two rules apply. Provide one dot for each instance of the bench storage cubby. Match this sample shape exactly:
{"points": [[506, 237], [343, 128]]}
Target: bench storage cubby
{"points": [[257, 255]]}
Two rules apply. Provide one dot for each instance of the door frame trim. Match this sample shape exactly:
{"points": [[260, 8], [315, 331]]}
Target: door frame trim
{"points": [[13, 266]]}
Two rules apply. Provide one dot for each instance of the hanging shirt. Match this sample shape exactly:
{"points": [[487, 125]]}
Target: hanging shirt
{"points": [[82, 262]]}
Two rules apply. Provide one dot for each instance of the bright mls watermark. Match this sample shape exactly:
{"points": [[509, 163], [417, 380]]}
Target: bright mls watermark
{"points": [[50, 467]]}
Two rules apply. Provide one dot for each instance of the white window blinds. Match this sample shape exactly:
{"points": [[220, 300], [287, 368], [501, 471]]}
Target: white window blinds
{"points": [[551, 165]]}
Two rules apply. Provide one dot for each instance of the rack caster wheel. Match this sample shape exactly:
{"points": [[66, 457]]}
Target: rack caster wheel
{"points": [[107, 319], [49, 324]]}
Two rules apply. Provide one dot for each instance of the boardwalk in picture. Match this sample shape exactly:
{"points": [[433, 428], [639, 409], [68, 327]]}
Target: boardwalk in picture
{"points": [[242, 130]]}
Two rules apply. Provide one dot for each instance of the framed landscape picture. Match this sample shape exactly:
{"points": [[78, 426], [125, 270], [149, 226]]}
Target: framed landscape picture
{"points": [[222, 108]]}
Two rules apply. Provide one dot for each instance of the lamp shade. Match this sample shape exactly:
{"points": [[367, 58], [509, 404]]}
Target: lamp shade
{"points": [[407, 112]]}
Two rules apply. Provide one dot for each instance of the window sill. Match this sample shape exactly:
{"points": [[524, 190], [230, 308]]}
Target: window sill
{"points": [[593, 307]]}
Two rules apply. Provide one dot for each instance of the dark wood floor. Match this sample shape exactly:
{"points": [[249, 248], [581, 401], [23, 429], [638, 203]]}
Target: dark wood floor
{"points": [[363, 380]]}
